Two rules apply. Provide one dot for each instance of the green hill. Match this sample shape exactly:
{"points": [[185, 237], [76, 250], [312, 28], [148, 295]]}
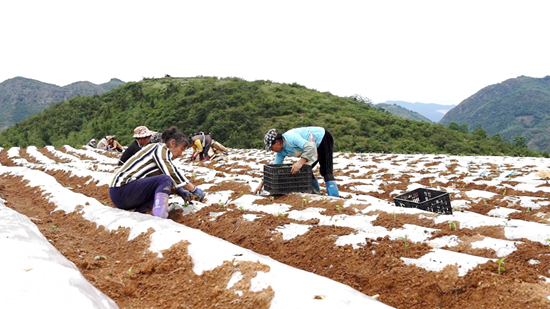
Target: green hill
{"points": [[238, 113], [21, 97], [402, 112], [517, 109]]}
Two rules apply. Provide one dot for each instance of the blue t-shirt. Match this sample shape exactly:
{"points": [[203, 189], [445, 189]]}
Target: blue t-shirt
{"points": [[295, 140]]}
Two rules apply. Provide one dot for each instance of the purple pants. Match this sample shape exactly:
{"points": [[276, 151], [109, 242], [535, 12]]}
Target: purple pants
{"points": [[140, 194]]}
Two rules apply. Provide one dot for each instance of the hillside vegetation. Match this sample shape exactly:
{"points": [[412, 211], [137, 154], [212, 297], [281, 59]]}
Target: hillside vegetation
{"points": [[238, 113], [21, 97], [517, 109]]}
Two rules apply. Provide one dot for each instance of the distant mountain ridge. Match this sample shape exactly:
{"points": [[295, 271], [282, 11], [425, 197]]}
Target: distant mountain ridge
{"points": [[22, 97], [402, 112], [516, 109], [434, 112]]}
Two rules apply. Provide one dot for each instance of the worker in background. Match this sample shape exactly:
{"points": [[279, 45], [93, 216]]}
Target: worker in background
{"points": [[205, 148], [312, 145], [109, 143], [91, 143], [142, 136]]}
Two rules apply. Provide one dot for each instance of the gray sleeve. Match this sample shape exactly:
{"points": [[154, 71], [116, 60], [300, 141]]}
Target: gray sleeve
{"points": [[309, 151]]}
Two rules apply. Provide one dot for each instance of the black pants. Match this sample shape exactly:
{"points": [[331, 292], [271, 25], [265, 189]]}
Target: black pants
{"points": [[324, 151]]}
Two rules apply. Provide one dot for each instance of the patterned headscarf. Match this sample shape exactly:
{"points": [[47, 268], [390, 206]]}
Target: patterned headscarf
{"points": [[269, 139]]}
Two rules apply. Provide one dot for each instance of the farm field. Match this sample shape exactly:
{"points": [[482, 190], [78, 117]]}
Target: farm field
{"points": [[492, 252]]}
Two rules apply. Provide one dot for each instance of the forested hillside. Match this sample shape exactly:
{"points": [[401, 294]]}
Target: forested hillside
{"points": [[517, 109], [21, 97], [238, 113]]}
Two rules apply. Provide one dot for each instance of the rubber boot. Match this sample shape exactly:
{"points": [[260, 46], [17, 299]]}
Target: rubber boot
{"points": [[332, 188], [160, 208], [315, 189]]}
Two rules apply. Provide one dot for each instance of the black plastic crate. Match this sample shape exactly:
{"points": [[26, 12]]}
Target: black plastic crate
{"points": [[426, 199], [279, 180]]}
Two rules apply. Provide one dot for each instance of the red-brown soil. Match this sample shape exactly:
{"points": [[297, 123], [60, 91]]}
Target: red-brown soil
{"points": [[136, 278]]}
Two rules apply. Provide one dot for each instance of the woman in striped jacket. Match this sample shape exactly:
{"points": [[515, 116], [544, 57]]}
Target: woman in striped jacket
{"points": [[148, 178]]}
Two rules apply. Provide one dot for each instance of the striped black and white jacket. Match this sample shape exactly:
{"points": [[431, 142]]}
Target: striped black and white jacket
{"points": [[151, 160]]}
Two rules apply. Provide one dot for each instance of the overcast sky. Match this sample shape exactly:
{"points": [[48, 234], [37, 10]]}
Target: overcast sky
{"points": [[415, 51]]}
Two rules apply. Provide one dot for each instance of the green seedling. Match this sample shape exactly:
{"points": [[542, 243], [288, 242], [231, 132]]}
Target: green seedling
{"points": [[55, 227], [504, 193], [394, 216], [100, 257], [338, 207], [220, 204], [271, 198], [129, 271], [501, 268], [185, 204], [335, 220], [110, 273], [281, 215], [485, 202], [405, 240], [452, 225], [241, 208], [304, 202], [548, 240], [528, 210]]}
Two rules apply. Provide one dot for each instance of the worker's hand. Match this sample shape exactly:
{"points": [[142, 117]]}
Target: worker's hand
{"points": [[199, 195], [259, 188], [185, 195], [296, 167]]}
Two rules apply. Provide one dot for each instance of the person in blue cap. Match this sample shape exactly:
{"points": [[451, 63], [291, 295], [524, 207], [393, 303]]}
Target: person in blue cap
{"points": [[312, 145]]}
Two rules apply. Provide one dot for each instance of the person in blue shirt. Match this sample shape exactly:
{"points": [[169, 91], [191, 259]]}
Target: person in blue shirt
{"points": [[312, 145]]}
